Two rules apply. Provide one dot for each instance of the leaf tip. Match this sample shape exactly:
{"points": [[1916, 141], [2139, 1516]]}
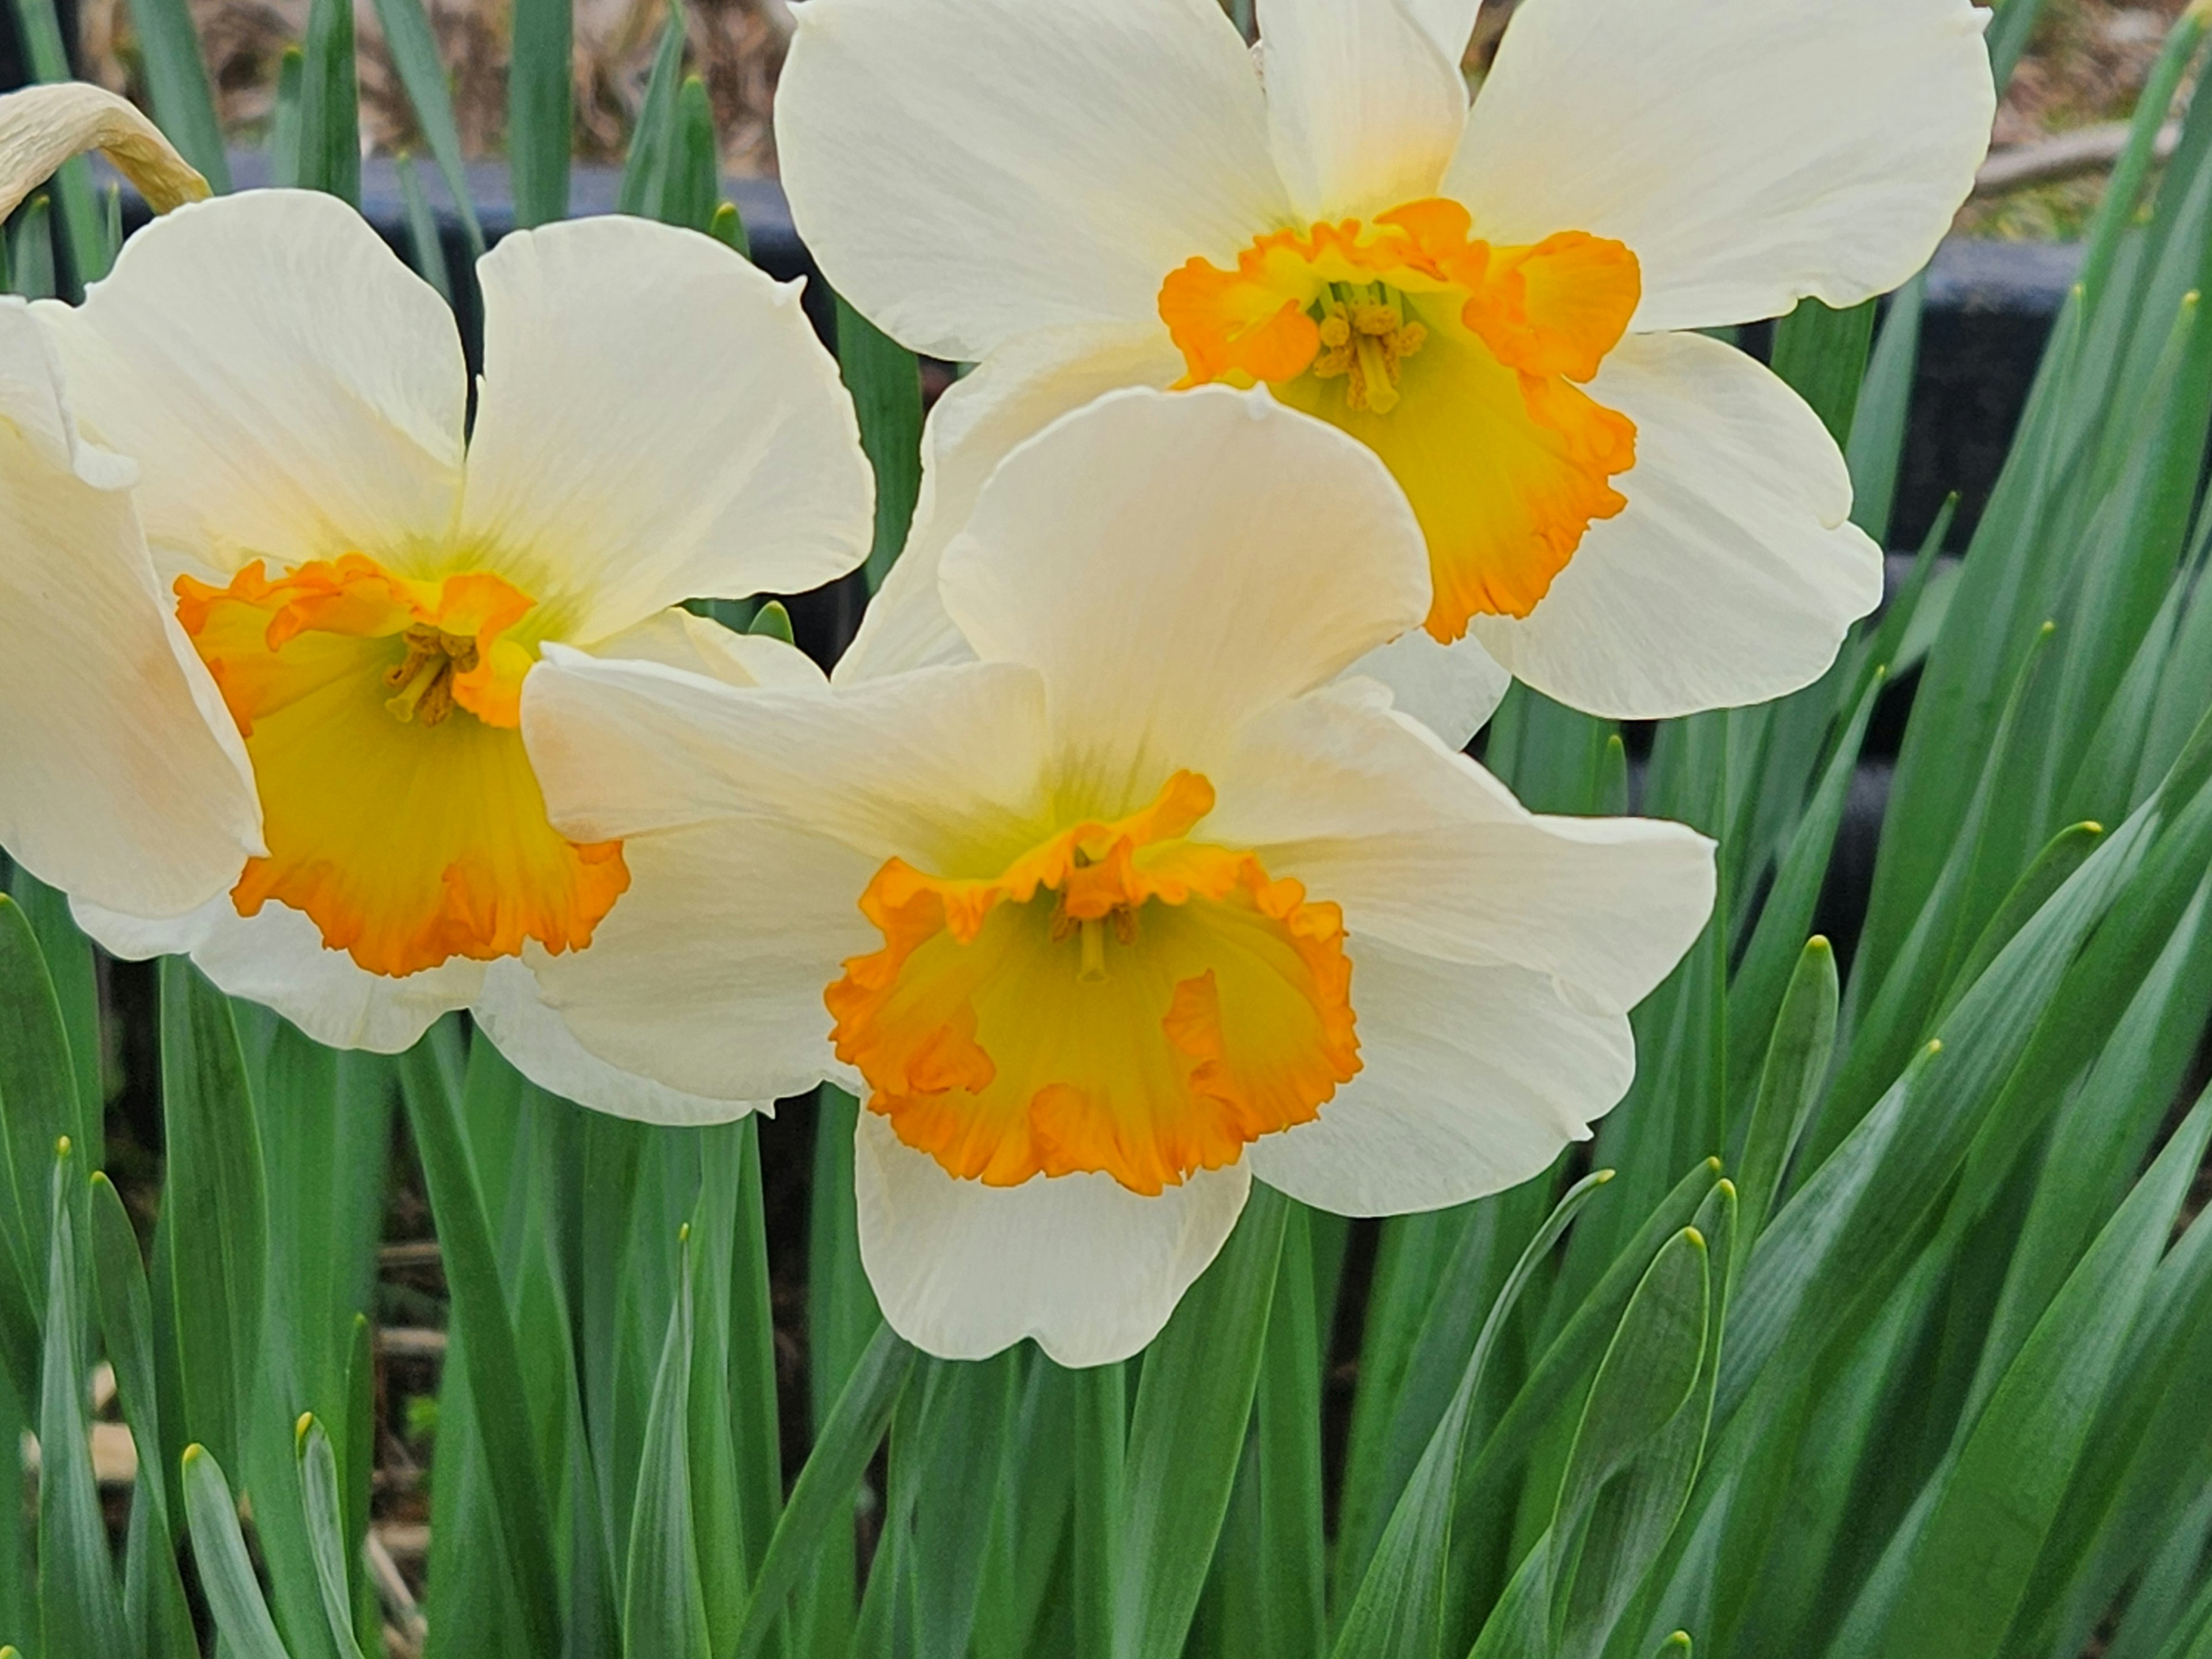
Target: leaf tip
{"points": [[299, 1430]]}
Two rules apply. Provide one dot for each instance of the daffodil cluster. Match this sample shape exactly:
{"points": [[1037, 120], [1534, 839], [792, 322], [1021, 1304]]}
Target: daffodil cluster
{"points": [[1129, 855]]}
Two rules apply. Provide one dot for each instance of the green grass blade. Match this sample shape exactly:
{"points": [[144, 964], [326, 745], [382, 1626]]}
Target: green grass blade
{"points": [[540, 110], [429, 251], [79, 1609], [1400, 1607], [1804, 1038], [1973, 1561], [38, 1096], [665, 1606], [480, 1315], [1822, 354], [216, 1208], [844, 1448], [1101, 1436], [76, 979], [1876, 446], [886, 384], [322, 1511], [177, 85], [646, 166], [234, 1595], [1293, 1561], [414, 48], [330, 104], [1193, 1401]]}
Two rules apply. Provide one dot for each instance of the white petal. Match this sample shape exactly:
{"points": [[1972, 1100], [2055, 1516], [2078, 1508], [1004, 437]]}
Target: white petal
{"points": [[917, 767], [1087, 1268], [1470, 1080], [290, 390], [1453, 690], [1426, 851], [1082, 149], [707, 976], [1171, 562], [122, 777], [1013, 394], [1364, 106], [699, 645], [1750, 152], [537, 1043], [276, 958], [1735, 570], [656, 422]]}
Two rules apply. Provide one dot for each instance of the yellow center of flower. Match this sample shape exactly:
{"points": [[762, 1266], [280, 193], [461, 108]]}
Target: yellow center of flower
{"points": [[1454, 361], [1120, 997], [382, 715]]}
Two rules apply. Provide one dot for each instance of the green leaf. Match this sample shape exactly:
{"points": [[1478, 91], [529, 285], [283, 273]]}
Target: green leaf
{"points": [[215, 1207], [650, 140], [177, 86], [772, 620], [1194, 1400], [414, 48], [284, 122], [1101, 1439], [76, 980], [540, 111], [234, 1595], [843, 1447], [1400, 1605], [1292, 1579], [693, 188], [886, 384], [481, 1319], [321, 1511], [1876, 446], [329, 112], [38, 1097], [1789, 1087], [1822, 354], [79, 1609], [31, 252], [665, 1606], [430, 250], [127, 1327], [1971, 1561]]}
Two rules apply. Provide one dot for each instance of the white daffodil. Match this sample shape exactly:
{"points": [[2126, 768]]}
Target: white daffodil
{"points": [[1137, 906], [1632, 518], [371, 575], [121, 776]]}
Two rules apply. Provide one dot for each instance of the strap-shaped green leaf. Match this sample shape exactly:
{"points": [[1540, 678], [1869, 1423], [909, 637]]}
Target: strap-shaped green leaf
{"points": [[234, 1595]]}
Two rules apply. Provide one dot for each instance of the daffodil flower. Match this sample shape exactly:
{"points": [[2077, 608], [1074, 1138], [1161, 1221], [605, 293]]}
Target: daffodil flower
{"points": [[1140, 904], [1631, 517], [121, 776], [371, 576]]}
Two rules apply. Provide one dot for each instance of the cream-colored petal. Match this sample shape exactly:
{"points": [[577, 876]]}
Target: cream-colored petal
{"points": [[290, 390], [923, 766], [1471, 1079], [706, 978], [1171, 562], [1453, 690], [1364, 109], [1083, 1266], [699, 645], [537, 1043], [751, 821], [657, 421], [1012, 395], [1751, 152], [122, 777], [1734, 571], [967, 170], [276, 958], [1426, 851]]}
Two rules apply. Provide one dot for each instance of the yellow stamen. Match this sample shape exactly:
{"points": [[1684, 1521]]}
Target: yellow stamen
{"points": [[426, 678]]}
